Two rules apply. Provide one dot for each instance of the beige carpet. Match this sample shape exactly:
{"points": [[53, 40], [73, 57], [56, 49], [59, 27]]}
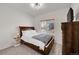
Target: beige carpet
{"points": [[25, 50]]}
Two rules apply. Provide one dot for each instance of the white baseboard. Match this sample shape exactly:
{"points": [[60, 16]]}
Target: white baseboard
{"points": [[17, 45]]}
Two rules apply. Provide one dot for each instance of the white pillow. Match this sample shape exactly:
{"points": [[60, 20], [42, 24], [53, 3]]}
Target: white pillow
{"points": [[29, 33]]}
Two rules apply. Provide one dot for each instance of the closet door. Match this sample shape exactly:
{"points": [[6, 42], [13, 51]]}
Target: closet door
{"points": [[67, 38]]}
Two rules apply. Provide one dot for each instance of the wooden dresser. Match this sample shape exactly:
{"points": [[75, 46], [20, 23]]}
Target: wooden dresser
{"points": [[70, 38]]}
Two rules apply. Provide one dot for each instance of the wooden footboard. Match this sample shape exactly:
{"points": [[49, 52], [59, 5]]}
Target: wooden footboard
{"points": [[48, 48]]}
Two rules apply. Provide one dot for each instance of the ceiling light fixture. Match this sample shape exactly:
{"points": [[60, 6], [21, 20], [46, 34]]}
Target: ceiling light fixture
{"points": [[36, 5]]}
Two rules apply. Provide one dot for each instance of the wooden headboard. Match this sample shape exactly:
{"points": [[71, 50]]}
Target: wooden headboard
{"points": [[23, 28]]}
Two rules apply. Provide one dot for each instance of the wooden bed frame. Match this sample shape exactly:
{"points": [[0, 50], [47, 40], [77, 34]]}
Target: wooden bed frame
{"points": [[47, 49]]}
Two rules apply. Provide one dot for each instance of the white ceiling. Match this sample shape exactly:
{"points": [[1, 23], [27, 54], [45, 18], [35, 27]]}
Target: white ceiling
{"points": [[47, 7]]}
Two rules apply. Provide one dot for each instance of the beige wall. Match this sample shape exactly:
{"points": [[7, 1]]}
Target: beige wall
{"points": [[10, 19]]}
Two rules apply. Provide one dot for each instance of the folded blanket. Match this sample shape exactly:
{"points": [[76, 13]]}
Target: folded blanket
{"points": [[42, 37]]}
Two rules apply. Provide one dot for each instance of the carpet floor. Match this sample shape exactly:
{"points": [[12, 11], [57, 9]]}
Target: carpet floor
{"points": [[25, 50]]}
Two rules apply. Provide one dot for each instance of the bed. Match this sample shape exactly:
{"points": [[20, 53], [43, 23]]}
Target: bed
{"points": [[30, 38]]}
